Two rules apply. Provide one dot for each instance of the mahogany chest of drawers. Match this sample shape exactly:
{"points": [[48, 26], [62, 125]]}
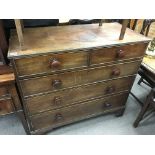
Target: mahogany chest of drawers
{"points": [[69, 73]]}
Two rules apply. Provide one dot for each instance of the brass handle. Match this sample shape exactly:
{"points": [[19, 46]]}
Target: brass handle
{"points": [[120, 54], [110, 89], [116, 72], [56, 83], [57, 101], [58, 117], [54, 63], [107, 105]]}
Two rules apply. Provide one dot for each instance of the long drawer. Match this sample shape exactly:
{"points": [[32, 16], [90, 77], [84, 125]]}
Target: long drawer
{"points": [[50, 63], [59, 99], [6, 106], [69, 79], [77, 112], [62, 61]]}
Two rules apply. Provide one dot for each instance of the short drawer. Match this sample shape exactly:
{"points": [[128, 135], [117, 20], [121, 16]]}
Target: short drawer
{"points": [[77, 112], [50, 63], [6, 106], [104, 55], [59, 99], [70, 79]]}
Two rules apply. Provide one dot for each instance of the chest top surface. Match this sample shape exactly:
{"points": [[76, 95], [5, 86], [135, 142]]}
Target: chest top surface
{"points": [[44, 40]]}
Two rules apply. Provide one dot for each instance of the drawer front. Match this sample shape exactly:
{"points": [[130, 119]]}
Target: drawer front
{"points": [[6, 106], [69, 79], [3, 91], [50, 63], [117, 53], [77, 112], [71, 96]]}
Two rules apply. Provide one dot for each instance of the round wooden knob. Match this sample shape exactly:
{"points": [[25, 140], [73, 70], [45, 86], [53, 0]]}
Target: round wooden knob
{"points": [[58, 117], [120, 54], [110, 89], [107, 105], [116, 72], [56, 83], [57, 100], [54, 63]]}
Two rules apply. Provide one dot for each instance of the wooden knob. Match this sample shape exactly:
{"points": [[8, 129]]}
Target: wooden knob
{"points": [[107, 105], [58, 117], [116, 72], [56, 83], [57, 101], [54, 63], [120, 54], [110, 89]]}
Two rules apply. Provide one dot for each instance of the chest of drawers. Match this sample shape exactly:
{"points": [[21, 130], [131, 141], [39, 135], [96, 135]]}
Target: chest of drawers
{"points": [[70, 73]]}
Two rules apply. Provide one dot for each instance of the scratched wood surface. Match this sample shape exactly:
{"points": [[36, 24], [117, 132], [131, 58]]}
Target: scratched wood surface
{"points": [[61, 38]]}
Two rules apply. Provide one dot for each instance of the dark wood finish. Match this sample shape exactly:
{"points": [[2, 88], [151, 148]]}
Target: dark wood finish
{"points": [[71, 96], [70, 73], [42, 64], [9, 99], [113, 54], [3, 91], [8, 96], [2, 59], [6, 101], [3, 44], [39, 41], [77, 112], [5, 69], [70, 79]]}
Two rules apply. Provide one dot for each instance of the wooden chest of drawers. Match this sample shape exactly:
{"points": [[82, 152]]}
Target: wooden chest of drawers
{"points": [[66, 74]]}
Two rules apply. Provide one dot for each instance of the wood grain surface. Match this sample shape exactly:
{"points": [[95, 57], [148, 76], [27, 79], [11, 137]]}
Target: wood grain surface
{"points": [[45, 102], [62, 38], [70, 79], [77, 112], [70, 73]]}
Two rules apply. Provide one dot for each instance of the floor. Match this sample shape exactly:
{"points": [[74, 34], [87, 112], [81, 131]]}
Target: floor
{"points": [[103, 125]]}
